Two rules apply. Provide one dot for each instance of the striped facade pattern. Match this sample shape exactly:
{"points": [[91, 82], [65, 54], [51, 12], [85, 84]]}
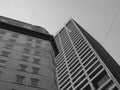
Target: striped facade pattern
{"points": [[78, 66]]}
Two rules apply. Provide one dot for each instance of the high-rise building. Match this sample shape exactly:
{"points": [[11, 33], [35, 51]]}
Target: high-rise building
{"points": [[82, 63], [26, 57]]}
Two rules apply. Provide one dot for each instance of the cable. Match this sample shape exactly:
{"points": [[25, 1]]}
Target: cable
{"points": [[111, 25]]}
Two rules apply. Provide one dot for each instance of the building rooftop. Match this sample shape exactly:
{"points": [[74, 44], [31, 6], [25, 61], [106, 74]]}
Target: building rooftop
{"points": [[27, 29], [23, 25]]}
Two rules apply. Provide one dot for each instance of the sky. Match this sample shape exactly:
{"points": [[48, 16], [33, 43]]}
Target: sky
{"points": [[100, 18]]}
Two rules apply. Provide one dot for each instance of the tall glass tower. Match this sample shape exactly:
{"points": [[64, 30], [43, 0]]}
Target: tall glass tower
{"points": [[26, 57], [82, 63]]}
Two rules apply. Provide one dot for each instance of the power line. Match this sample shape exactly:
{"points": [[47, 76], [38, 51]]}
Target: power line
{"points": [[111, 25]]}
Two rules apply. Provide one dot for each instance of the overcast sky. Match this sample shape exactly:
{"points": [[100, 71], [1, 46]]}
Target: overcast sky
{"points": [[96, 16]]}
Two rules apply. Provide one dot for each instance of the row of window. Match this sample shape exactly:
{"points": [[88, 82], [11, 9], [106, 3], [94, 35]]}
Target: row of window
{"points": [[22, 67], [28, 44], [73, 64], [6, 53], [16, 35], [103, 82], [23, 57], [19, 79], [88, 59], [92, 65], [99, 77], [20, 48]]}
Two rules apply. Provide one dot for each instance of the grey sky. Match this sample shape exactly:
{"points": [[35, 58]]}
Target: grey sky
{"points": [[95, 16]]}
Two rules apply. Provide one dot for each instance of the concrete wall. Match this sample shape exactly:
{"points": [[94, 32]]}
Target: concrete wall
{"points": [[12, 49]]}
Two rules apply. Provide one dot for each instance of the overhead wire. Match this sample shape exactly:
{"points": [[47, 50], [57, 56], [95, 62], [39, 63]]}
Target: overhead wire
{"points": [[111, 25]]}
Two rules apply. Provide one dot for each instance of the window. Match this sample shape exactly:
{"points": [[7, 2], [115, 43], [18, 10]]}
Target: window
{"points": [[1, 37], [108, 86], [12, 40], [103, 80], [28, 44], [26, 50], [29, 39], [38, 46], [38, 41], [5, 53], [37, 53], [9, 46], [20, 79], [15, 35], [34, 82], [24, 58], [35, 70], [100, 79], [36, 60], [3, 63], [2, 32], [87, 87], [22, 67]]}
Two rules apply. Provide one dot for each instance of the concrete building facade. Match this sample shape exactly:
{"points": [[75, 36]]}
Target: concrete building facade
{"points": [[82, 63], [26, 57]]}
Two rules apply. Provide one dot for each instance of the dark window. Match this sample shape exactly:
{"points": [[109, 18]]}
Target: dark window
{"points": [[82, 84], [19, 79], [93, 67], [115, 88], [2, 32], [15, 35], [37, 53], [98, 69], [38, 41], [100, 79], [25, 58], [9, 46], [26, 50], [3, 63], [103, 80], [108, 85], [29, 39], [5, 53], [34, 82], [87, 87], [67, 82], [35, 70], [22, 67], [12, 40], [36, 60], [28, 44], [67, 86], [38, 46]]}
